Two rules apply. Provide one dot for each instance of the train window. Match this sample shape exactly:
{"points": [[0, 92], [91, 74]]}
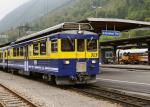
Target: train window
{"points": [[17, 51], [35, 49], [68, 45], [1, 55], [14, 52], [91, 45], [80, 45], [8, 52], [54, 45], [5, 54], [125, 54], [21, 51], [43, 48]]}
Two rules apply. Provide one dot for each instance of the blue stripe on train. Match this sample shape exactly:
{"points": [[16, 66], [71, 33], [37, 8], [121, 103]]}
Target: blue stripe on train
{"points": [[55, 66]]}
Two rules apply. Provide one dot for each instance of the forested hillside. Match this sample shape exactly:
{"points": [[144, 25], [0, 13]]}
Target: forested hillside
{"points": [[81, 9]]}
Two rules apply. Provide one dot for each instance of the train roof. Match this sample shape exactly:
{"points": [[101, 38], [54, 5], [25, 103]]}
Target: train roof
{"points": [[60, 27], [134, 51], [5, 45]]}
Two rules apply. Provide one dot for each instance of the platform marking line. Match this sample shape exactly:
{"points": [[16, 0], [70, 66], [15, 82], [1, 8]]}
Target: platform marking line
{"points": [[123, 81]]}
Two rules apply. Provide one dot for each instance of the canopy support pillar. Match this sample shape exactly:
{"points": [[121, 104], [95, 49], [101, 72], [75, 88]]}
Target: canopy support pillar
{"points": [[114, 54]]}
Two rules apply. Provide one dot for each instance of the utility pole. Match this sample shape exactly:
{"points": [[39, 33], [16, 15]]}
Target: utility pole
{"points": [[95, 7], [96, 10], [21, 28]]}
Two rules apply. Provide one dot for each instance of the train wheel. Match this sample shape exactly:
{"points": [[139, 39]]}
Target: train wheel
{"points": [[12, 71], [53, 79]]}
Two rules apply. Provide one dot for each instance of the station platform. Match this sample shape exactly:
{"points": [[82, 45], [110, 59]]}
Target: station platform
{"points": [[125, 79], [137, 67]]}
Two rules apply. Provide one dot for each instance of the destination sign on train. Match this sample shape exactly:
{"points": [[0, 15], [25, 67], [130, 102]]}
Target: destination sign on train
{"points": [[110, 33]]}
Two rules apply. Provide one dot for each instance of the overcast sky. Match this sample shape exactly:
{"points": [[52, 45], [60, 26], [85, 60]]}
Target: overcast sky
{"points": [[7, 6]]}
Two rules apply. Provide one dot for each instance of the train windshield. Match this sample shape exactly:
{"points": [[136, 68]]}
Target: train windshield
{"points": [[68, 45], [80, 45], [91, 45]]}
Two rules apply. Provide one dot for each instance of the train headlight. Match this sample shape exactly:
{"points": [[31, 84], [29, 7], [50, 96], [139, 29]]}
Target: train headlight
{"points": [[80, 32], [93, 61], [67, 62]]}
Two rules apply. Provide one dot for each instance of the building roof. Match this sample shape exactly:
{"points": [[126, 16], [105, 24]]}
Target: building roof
{"points": [[100, 24]]}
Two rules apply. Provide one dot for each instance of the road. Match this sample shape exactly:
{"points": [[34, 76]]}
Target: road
{"points": [[125, 79]]}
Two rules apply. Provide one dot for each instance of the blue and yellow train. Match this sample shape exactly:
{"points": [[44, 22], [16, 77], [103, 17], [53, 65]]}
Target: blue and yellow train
{"points": [[67, 54]]}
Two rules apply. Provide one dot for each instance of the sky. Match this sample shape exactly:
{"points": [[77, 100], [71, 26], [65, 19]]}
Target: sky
{"points": [[7, 6]]}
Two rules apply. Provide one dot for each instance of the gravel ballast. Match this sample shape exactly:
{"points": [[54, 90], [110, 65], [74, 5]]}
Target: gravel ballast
{"points": [[50, 96]]}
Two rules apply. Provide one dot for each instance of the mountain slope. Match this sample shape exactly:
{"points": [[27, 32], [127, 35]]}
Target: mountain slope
{"points": [[29, 11], [82, 9]]}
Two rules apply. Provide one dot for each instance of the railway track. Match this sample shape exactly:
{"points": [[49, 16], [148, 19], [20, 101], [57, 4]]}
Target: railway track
{"points": [[128, 100], [9, 98]]}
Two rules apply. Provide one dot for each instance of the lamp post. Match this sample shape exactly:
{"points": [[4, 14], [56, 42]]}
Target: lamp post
{"points": [[96, 8]]}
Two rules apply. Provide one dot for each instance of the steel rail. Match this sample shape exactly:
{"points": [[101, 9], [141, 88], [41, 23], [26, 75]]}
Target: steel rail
{"points": [[114, 95], [10, 98]]}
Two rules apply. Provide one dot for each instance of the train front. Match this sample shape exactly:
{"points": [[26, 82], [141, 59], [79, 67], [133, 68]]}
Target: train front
{"points": [[79, 57]]}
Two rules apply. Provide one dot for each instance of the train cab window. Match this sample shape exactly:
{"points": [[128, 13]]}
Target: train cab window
{"points": [[35, 49], [21, 51], [17, 51], [68, 45], [14, 52], [91, 45], [80, 45], [54, 45], [43, 48]]}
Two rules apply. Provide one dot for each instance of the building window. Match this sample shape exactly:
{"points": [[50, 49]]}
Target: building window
{"points": [[35, 49], [21, 51], [43, 48], [54, 45], [68, 45]]}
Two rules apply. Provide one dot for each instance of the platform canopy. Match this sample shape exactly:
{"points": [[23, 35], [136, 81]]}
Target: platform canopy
{"points": [[100, 24], [127, 41]]}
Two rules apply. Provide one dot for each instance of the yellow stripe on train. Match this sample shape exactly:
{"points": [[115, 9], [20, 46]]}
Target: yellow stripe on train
{"points": [[62, 55]]}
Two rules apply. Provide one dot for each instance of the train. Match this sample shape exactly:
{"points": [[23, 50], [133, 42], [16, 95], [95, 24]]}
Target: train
{"points": [[133, 56], [66, 54], [128, 56]]}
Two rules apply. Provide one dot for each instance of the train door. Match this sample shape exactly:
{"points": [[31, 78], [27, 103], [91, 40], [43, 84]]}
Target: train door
{"points": [[26, 63], [81, 53]]}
